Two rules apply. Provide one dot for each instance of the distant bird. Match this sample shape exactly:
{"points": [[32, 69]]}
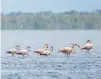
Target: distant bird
{"points": [[44, 51], [39, 51], [14, 50], [23, 51], [87, 46], [47, 52], [68, 50]]}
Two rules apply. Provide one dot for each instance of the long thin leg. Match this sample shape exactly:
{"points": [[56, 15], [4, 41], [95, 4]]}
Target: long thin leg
{"points": [[23, 56], [65, 53], [12, 54], [68, 56], [89, 52]]}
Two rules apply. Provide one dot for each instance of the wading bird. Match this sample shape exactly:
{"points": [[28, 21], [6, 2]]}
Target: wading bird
{"points": [[44, 51], [13, 51], [47, 52], [68, 50], [23, 51], [87, 46]]}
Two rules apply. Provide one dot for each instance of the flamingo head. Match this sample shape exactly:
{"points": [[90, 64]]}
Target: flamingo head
{"points": [[46, 45], [88, 41], [28, 48], [75, 44], [17, 47]]}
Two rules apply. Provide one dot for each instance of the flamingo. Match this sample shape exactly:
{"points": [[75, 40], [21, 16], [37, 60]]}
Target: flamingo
{"points": [[68, 50], [39, 51], [14, 50], [47, 52], [44, 51], [87, 46], [23, 51]]}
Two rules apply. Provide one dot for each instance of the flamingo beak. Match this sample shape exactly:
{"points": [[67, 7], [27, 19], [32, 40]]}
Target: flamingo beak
{"points": [[78, 46]]}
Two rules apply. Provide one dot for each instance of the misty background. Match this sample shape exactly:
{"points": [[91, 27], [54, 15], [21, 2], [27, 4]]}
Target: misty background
{"points": [[50, 14]]}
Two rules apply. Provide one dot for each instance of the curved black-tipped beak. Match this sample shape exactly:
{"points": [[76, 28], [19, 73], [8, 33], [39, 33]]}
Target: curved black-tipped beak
{"points": [[78, 46]]}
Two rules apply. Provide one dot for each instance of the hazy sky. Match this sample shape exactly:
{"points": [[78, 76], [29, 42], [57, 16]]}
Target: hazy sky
{"points": [[49, 5]]}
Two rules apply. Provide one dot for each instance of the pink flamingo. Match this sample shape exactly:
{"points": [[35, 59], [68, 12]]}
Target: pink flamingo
{"points": [[68, 50], [87, 46], [23, 51], [44, 51], [14, 50]]}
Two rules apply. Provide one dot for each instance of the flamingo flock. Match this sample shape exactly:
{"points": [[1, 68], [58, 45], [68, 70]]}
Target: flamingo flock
{"points": [[47, 50]]}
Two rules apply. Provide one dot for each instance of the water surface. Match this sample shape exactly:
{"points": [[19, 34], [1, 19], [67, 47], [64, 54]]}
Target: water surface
{"points": [[55, 66]]}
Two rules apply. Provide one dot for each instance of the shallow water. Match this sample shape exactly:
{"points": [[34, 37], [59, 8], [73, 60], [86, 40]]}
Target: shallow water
{"points": [[55, 66]]}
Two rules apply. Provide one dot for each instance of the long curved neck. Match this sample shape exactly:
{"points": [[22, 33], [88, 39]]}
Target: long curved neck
{"points": [[73, 46], [28, 48], [18, 47], [51, 49]]}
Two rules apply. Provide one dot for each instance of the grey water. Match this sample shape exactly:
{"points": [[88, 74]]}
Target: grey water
{"points": [[56, 65]]}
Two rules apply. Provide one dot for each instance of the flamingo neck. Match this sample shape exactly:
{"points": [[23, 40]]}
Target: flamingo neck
{"points": [[88, 41], [46, 46], [18, 47], [72, 46], [28, 48], [52, 49]]}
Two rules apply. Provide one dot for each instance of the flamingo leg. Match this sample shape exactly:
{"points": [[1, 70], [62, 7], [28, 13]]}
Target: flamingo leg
{"points": [[23, 56], [68, 56], [89, 52], [65, 54], [40, 54]]}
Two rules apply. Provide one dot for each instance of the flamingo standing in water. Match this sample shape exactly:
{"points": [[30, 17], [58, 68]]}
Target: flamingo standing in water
{"points": [[13, 51], [23, 51], [44, 51], [68, 50], [47, 52], [87, 46]]}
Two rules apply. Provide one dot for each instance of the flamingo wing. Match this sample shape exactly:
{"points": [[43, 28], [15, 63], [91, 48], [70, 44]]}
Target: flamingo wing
{"points": [[87, 46], [23, 51], [12, 51], [39, 51]]}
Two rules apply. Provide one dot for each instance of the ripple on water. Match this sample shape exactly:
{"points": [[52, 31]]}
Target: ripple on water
{"points": [[51, 67]]}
